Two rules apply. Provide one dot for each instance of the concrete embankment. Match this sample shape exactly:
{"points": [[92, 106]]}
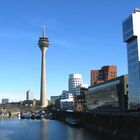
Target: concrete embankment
{"points": [[9, 111], [6, 115], [121, 126]]}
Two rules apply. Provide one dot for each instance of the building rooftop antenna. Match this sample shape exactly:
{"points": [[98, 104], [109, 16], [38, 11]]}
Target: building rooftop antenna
{"points": [[43, 32]]}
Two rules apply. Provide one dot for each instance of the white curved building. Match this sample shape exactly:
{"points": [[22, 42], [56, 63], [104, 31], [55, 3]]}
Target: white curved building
{"points": [[74, 81]]}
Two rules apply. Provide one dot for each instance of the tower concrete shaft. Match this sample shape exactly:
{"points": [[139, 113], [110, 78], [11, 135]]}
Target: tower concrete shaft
{"points": [[43, 98], [43, 45]]}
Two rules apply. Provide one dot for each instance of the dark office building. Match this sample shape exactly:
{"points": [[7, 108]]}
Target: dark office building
{"points": [[109, 95]]}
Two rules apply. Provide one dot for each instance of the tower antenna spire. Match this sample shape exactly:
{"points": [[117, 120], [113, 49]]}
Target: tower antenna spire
{"points": [[43, 32]]}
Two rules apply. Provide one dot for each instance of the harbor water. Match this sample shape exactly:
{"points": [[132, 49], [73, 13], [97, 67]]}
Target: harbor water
{"points": [[15, 129]]}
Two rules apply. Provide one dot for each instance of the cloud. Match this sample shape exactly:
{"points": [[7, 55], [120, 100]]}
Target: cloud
{"points": [[64, 43]]}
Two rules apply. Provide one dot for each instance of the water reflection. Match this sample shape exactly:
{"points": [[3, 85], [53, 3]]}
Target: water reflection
{"points": [[79, 134], [44, 129], [54, 130], [12, 129]]}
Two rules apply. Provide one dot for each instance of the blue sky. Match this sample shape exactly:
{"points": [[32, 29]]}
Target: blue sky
{"points": [[83, 35]]}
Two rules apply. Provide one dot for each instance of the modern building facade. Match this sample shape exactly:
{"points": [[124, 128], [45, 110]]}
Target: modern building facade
{"points": [[79, 88], [109, 95], [67, 103], [5, 101], [43, 45], [29, 95], [74, 81], [79, 100], [104, 74], [131, 35], [53, 98], [64, 94]]}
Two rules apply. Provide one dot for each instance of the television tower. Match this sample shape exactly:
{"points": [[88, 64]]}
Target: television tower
{"points": [[43, 44]]}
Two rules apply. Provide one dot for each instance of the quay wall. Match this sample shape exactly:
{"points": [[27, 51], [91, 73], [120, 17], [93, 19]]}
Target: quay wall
{"points": [[119, 125]]}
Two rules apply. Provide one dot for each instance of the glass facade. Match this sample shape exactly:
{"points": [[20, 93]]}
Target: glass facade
{"points": [[134, 72], [133, 39], [127, 28], [104, 96], [109, 95]]}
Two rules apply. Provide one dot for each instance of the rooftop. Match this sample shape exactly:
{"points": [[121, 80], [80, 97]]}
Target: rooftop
{"points": [[136, 10]]}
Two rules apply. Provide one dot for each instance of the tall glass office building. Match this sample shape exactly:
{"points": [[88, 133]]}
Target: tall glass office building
{"points": [[131, 35]]}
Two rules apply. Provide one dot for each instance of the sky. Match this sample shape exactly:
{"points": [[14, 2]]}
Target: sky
{"points": [[83, 35]]}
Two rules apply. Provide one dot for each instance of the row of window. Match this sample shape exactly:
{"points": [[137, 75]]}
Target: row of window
{"points": [[102, 77], [102, 73]]}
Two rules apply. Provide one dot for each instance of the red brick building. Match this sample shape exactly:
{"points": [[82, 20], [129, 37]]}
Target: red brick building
{"points": [[104, 74]]}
